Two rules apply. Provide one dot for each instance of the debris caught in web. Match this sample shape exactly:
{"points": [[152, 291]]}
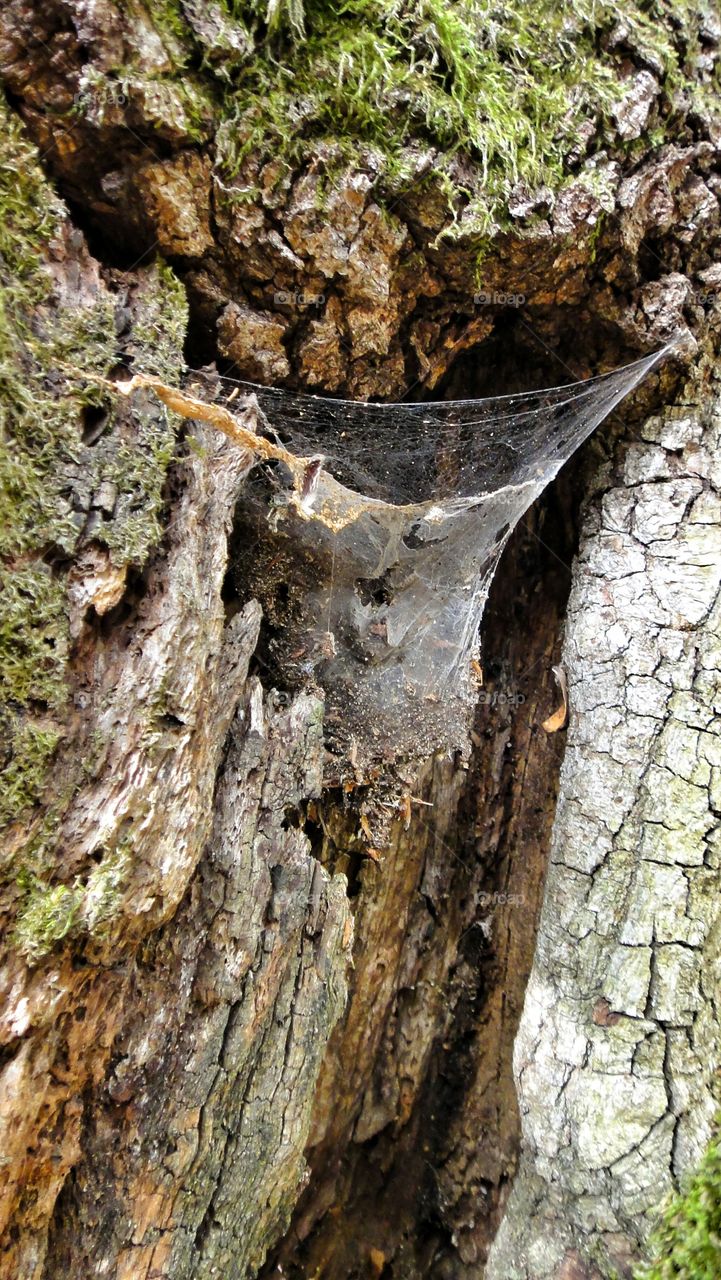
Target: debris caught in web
{"points": [[372, 533]]}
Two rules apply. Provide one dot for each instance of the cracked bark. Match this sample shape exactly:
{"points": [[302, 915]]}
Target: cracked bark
{"points": [[207, 1085], [618, 1044]]}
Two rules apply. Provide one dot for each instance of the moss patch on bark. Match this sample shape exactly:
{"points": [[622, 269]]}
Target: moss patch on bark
{"points": [[57, 315], [687, 1243], [475, 95], [506, 88]]}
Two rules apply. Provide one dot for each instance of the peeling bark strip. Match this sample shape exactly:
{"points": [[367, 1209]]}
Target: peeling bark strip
{"points": [[244, 435]]}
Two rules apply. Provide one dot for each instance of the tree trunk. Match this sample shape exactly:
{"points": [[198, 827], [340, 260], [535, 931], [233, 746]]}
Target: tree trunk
{"points": [[239, 1036]]}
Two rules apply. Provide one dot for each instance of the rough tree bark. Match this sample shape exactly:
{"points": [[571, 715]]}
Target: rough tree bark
{"points": [[233, 1042]]}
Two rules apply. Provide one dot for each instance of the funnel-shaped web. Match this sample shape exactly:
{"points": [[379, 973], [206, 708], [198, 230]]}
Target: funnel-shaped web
{"points": [[375, 560]]}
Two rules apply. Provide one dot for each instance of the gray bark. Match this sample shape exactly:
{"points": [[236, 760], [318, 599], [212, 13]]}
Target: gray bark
{"points": [[618, 1046]]}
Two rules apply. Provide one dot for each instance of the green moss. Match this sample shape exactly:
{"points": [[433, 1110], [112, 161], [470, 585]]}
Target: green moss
{"points": [[595, 236], [33, 636], [103, 891], [169, 21], [138, 470], [29, 215], [686, 1244], [288, 15], [31, 749], [500, 86], [48, 915], [224, 41], [158, 335], [40, 422], [47, 473], [34, 430], [506, 85]]}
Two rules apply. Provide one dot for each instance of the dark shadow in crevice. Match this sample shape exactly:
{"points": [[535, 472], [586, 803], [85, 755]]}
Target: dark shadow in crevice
{"points": [[532, 351]]}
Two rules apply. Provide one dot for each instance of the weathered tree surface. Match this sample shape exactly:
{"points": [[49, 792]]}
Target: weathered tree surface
{"points": [[237, 1039], [617, 1048]]}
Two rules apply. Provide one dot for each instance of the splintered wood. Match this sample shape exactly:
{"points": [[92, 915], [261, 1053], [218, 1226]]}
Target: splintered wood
{"points": [[316, 494]]}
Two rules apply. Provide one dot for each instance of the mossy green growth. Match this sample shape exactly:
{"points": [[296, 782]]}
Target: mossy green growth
{"points": [[47, 473], [170, 19], [50, 913], [31, 748], [40, 420], [494, 91], [33, 626], [158, 335], [48, 916], [33, 642], [507, 85], [29, 215], [170, 22], [138, 470], [686, 1244]]}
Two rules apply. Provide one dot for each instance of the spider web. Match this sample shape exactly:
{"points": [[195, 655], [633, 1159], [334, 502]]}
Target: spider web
{"points": [[374, 556]]}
